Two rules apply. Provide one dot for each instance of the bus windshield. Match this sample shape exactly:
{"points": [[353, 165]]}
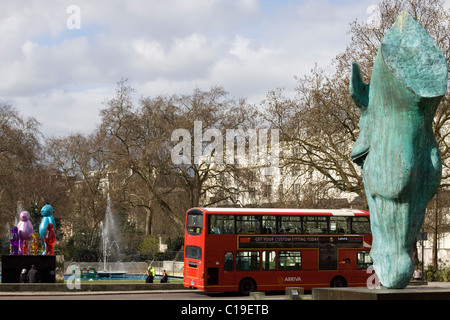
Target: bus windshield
{"points": [[194, 222]]}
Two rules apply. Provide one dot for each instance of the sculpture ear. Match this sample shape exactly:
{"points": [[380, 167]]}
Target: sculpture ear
{"points": [[359, 91]]}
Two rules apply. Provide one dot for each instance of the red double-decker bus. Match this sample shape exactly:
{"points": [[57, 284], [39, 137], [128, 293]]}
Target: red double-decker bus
{"points": [[230, 249]]}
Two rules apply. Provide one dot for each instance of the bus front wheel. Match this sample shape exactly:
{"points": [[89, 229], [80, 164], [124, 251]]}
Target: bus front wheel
{"points": [[338, 282], [246, 286]]}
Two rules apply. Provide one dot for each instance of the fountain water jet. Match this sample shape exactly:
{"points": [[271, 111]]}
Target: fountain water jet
{"points": [[109, 230]]}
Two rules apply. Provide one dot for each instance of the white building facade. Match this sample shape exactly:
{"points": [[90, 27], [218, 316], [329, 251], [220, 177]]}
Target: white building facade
{"points": [[295, 186]]}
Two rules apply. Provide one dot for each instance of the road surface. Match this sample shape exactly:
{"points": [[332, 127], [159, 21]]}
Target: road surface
{"points": [[135, 295]]}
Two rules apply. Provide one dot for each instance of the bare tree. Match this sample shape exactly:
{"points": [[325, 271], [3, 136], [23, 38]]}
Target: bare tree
{"points": [[82, 163], [19, 156], [139, 143], [322, 121], [135, 141], [212, 172]]}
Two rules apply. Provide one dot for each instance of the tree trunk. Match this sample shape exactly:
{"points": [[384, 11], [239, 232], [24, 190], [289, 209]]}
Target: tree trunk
{"points": [[148, 221]]}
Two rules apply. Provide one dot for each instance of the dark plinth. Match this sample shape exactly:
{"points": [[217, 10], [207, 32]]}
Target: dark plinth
{"points": [[363, 293], [13, 265]]}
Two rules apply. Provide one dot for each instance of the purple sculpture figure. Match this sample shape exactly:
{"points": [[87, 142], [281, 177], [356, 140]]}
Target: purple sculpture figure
{"points": [[14, 241], [49, 239], [25, 231]]}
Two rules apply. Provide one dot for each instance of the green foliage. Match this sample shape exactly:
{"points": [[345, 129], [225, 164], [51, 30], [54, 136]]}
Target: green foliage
{"points": [[446, 274], [149, 247], [130, 235], [84, 245], [74, 251], [35, 216], [433, 274], [86, 255], [176, 244], [4, 246]]}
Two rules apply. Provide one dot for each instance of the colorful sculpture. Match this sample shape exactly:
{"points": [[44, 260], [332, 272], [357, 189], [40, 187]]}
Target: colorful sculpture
{"points": [[35, 243], [49, 239], [14, 241], [25, 231], [24, 248], [47, 217], [396, 148]]}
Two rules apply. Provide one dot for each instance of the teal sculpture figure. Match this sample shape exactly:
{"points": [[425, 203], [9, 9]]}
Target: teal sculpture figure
{"points": [[396, 148], [47, 218]]}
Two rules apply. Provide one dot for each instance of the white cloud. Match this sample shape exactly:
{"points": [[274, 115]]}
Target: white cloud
{"points": [[62, 112], [249, 47]]}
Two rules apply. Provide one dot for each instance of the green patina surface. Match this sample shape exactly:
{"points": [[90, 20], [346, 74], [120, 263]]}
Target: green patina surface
{"points": [[396, 149]]}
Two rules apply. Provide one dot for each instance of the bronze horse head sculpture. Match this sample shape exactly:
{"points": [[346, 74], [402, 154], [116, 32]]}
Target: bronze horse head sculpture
{"points": [[396, 148]]}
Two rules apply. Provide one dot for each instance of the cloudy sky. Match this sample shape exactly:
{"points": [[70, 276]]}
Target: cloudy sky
{"points": [[59, 60]]}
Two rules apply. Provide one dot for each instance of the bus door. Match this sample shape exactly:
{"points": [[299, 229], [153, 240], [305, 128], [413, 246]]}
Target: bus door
{"points": [[213, 276], [212, 269], [228, 269], [328, 253]]}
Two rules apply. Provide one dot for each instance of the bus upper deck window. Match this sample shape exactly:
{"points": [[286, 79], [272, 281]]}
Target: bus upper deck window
{"points": [[360, 225], [194, 225], [221, 224]]}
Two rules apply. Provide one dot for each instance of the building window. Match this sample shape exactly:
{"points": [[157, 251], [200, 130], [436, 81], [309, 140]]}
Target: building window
{"points": [[297, 188], [267, 190]]}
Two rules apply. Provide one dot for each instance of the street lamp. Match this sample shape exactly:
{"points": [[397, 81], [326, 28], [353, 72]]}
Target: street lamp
{"points": [[422, 236]]}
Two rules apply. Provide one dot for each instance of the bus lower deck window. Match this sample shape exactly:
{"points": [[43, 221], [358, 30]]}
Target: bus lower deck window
{"points": [[247, 260], [290, 260], [229, 261]]}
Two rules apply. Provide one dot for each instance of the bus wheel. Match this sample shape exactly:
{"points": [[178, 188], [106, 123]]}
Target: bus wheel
{"points": [[338, 282], [246, 286]]}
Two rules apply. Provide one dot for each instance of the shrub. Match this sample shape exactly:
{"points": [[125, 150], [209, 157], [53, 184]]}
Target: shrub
{"points": [[433, 274]]}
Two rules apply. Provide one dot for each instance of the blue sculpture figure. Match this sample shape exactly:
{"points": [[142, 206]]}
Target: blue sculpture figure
{"points": [[396, 149], [14, 241], [47, 217]]}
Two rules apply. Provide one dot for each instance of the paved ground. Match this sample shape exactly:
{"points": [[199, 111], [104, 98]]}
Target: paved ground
{"points": [[154, 295], [135, 295]]}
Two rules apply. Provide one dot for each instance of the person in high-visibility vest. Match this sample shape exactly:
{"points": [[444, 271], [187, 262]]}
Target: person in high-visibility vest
{"points": [[150, 274]]}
